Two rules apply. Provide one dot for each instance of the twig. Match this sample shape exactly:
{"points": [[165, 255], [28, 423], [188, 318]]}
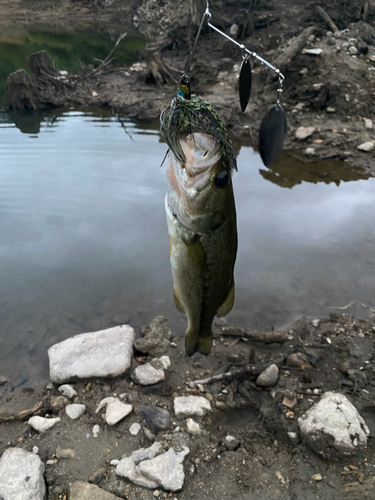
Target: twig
{"points": [[25, 413], [350, 304], [253, 369], [265, 337], [124, 127], [106, 60], [327, 18]]}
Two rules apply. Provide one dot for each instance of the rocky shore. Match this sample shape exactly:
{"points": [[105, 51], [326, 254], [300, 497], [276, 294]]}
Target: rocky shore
{"points": [[276, 414]]}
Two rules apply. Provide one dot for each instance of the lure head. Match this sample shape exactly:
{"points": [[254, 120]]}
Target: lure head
{"points": [[183, 90]]}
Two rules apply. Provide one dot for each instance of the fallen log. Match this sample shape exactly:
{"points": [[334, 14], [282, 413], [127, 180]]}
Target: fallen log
{"points": [[290, 52]]}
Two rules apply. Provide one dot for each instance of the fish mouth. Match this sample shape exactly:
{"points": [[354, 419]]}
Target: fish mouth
{"points": [[201, 152]]}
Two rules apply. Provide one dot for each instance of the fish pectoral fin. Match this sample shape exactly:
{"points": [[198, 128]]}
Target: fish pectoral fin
{"points": [[177, 302], [227, 305]]}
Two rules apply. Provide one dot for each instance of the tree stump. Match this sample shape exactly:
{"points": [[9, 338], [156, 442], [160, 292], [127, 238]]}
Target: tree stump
{"points": [[20, 92], [157, 71], [41, 65]]}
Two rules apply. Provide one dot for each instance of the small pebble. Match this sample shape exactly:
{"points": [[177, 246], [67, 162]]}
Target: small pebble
{"points": [[75, 411], [65, 453], [67, 390], [135, 428], [95, 431], [317, 477], [35, 450], [114, 462]]}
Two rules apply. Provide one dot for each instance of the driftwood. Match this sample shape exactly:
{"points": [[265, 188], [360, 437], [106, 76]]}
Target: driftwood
{"points": [[289, 53], [20, 92], [40, 64], [22, 415], [327, 18], [264, 337]]}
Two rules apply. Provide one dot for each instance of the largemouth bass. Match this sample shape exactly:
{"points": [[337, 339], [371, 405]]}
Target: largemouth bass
{"points": [[201, 216]]}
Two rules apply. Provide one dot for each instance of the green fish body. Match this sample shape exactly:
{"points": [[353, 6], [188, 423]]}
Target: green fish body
{"points": [[201, 219]]}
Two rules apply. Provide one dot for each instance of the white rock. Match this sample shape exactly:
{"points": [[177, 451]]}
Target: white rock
{"points": [[353, 50], [333, 427], [95, 431], [193, 427], [148, 375], [303, 133], [21, 475], [368, 123], [68, 391], [310, 152], [104, 402], [135, 428], [268, 377], [75, 411], [116, 411], [312, 52], [42, 424], [191, 405], [106, 353], [233, 30], [366, 146], [166, 470], [114, 462], [165, 361], [127, 466]]}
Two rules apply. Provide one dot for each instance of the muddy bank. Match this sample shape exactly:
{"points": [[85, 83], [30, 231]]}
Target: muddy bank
{"points": [[264, 455], [330, 76]]}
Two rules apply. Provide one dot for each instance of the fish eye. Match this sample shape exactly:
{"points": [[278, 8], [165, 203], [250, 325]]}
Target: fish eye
{"points": [[221, 180]]}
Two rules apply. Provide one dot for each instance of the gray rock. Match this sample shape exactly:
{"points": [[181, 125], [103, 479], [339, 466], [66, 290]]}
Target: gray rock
{"points": [[303, 133], [21, 475], [65, 453], [368, 123], [148, 375], [268, 377], [4, 380], [127, 466], [166, 470], [75, 411], [79, 490], [163, 362], [134, 429], [155, 337], [106, 353], [42, 424], [231, 443], [156, 418], [68, 391], [366, 146], [333, 427], [353, 50]]}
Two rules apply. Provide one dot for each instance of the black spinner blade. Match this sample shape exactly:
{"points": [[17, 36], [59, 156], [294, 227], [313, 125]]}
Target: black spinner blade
{"points": [[272, 134], [245, 83]]}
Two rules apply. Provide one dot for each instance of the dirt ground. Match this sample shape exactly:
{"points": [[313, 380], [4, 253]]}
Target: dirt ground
{"points": [[265, 463], [334, 92]]}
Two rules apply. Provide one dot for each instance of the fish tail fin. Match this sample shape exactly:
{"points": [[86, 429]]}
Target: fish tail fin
{"points": [[193, 344]]}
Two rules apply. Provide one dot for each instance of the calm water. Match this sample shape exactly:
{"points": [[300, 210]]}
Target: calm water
{"points": [[84, 240]]}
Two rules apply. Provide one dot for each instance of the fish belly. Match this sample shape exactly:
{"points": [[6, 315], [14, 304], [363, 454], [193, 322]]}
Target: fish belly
{"points": [[202, 270]]}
